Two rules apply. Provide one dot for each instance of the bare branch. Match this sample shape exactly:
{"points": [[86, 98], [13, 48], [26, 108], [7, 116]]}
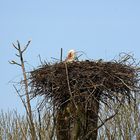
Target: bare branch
{"points": [[15, 46], [19, 49], [61, 55], [54, 58], [14, 63], [20, 97], [72, 98], [40, 59], [26, 46], [17, 55]]}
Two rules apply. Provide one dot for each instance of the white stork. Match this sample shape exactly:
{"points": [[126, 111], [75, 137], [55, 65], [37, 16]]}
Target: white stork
{"points": [[71, 56]]}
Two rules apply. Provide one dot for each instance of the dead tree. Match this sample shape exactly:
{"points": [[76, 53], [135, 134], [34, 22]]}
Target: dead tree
{"points": [[26, 102]]}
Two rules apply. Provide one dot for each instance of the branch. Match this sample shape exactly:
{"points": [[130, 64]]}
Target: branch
{"points": [[14, 63], [103, 123], [61, 55], [69, 86], [26, 46], [19, 49], [21, 98], [15, 46]]}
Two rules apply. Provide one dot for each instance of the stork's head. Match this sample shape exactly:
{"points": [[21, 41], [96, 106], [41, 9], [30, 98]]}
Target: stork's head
{"points": [[71, 56]]}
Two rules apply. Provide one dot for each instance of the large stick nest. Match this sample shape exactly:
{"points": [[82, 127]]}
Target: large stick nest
{"points": [[78, 81]]}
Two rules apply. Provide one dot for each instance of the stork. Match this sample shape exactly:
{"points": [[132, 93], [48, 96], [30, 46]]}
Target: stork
{"points": [[71, 56]]}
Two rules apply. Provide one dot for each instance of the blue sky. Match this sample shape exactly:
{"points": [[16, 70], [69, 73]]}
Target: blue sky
{"points": [[102, 29]]}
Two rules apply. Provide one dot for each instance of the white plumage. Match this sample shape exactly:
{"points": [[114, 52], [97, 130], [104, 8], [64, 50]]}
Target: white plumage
{"points": [[71, 56]]}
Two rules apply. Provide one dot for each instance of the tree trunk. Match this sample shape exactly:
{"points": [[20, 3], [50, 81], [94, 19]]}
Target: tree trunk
{"points": [[80, 123]]}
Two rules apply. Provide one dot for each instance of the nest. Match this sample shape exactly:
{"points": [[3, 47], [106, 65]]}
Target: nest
{"points": [[77, 81], [76, 90]]}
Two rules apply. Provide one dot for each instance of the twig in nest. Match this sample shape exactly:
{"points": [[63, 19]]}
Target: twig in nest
{"points": [[69, 86]]}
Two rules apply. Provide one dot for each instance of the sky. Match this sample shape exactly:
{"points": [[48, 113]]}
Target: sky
{"points": [[102, 29]]}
